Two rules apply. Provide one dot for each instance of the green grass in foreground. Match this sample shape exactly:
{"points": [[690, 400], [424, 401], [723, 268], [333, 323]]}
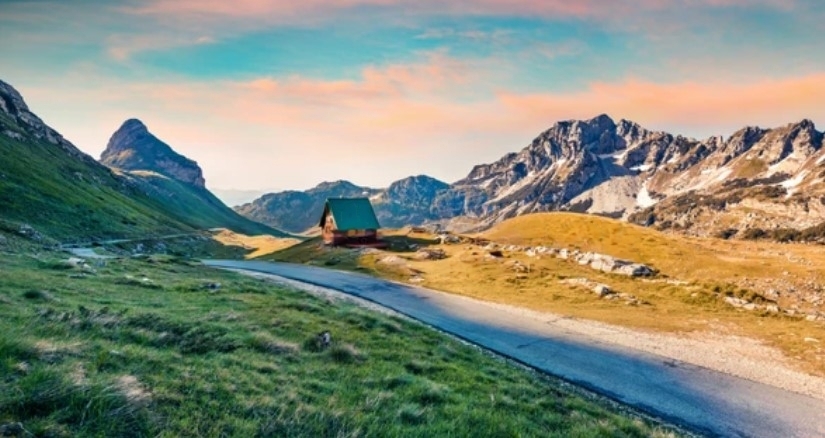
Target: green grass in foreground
{"points": [[146, 348]]}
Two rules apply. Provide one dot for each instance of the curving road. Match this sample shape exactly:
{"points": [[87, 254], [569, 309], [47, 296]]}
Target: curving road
{"points": [[702, 400]]}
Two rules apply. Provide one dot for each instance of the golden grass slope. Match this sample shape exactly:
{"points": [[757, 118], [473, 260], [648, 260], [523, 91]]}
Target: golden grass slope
{"points": [[257, 245], [685, 258], [687, 296]]}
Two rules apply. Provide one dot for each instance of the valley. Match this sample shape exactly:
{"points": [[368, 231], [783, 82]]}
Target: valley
{"points": [[623, 239]]}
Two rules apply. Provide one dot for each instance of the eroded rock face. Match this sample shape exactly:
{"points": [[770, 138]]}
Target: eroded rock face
{"points": [[619, 169], [132, 147], [25, 124]]}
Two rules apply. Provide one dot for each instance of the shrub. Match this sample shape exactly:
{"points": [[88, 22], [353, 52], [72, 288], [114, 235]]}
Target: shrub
{"points": [[345, 353], [37, 294], [754, 234], [727, 233]]}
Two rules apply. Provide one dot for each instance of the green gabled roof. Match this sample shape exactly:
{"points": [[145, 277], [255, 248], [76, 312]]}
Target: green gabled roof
{"points": [[351, 214]]}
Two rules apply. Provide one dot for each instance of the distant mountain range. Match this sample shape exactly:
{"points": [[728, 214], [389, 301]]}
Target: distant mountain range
{"points": [[757, 182], [406, 201], [148, 189], [755, 179]]}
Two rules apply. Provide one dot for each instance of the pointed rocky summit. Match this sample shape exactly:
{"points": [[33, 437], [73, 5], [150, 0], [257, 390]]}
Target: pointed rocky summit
{"points": [[133, 147]]}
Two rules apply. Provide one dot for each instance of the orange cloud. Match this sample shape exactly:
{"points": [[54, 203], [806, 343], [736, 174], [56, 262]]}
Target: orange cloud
{"points": [[396, 120], [698, 105]]}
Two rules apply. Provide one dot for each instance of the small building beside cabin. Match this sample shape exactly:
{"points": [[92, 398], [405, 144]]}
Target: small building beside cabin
{"points": [[349, 222]]}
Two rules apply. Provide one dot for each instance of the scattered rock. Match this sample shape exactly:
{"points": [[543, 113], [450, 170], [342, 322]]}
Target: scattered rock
{"points": [[430, 254], [29, 232], [12, 429], [519, 267], [391, 260], [635, 270], [416, 279], [736, 302], [76, 262], [602, 290], [448, 239], [812, 340]]}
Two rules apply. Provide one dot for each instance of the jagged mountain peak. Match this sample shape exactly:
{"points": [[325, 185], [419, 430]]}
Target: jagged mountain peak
{"points": [[132, 147]]}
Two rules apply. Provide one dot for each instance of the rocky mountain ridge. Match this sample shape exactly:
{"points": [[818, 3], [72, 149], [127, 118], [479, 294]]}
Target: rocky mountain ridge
{"points": [[621, 169], [403, 202], [756, 178], [24, 124], [133, 147]]}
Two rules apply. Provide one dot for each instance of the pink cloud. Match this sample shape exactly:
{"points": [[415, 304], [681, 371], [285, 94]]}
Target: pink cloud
{"points": [[395, 120], [546, 8]]}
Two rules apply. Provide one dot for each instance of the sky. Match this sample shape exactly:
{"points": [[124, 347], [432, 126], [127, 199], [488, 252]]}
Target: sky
{"points": [[282, 94]]}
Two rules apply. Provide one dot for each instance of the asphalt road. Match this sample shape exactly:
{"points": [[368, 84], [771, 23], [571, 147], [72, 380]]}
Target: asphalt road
{"points": [[702, 400]]}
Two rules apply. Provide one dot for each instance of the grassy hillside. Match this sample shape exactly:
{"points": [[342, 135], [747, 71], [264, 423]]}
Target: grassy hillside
{"points": [[165, 347], [696, 277], [66, 196], [196, 206]]}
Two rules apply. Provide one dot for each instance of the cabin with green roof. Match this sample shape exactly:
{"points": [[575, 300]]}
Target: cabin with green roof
{"points": [[349, 222]]}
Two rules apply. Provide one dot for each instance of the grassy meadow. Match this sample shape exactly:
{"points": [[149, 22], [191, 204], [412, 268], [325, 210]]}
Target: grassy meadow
{"points": [[695, 275], [163, 346]]}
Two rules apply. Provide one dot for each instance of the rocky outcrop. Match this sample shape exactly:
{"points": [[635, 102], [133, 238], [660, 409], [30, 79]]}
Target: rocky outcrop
{"points": [[132, 147], [21, 124], [408, 201]]}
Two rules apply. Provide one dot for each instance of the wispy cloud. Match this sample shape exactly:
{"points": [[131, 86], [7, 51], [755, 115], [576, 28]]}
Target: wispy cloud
{"points": [[121, 47]]}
